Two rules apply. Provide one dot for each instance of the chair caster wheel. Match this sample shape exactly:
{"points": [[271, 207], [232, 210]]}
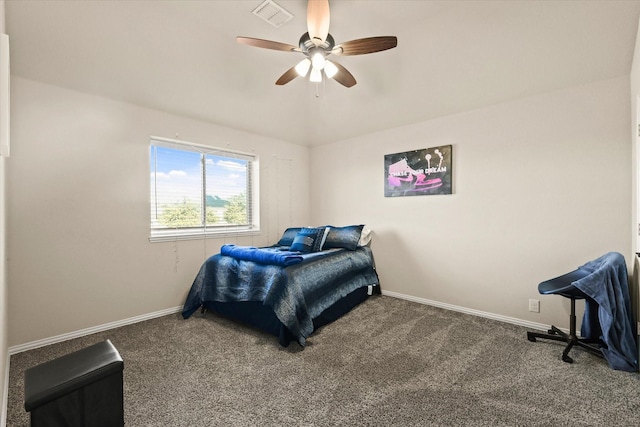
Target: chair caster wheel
{"points": [[530, 338], [567, 359]]}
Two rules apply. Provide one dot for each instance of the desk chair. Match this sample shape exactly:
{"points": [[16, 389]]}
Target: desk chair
{"points": [[562, 285]]}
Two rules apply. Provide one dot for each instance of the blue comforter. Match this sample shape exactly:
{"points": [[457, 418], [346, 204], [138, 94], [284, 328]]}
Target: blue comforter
{"points": [[297, 293], [608, 317]]}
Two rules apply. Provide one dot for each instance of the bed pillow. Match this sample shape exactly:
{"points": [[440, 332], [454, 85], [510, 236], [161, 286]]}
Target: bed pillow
{"points": [[343, 237], [325, 233], [288, 236], [365, 236], [308, 240]]}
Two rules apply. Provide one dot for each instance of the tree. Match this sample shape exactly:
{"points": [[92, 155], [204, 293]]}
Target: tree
{"points": [[211, 216], [214, 203], [236, 211], [185, 214]]}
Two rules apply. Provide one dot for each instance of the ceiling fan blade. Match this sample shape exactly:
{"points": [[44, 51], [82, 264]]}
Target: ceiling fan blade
{"points": [[268, 44], [343, 76], [288, 75], [318, 18], [364, 46]]}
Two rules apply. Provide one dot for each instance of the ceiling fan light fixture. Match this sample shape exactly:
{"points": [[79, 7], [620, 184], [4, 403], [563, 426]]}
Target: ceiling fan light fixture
{"points": [[318, 61], [330, 69], [303, 67], [316, 75]]}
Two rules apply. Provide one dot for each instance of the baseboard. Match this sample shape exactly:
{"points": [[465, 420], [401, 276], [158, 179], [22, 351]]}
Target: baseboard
{"points": [[493, 316], [88, 331]]}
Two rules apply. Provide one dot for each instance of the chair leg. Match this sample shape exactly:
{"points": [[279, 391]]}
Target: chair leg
{"points": [[565, 353], [571, 339], [572, 333], [557, 331]]}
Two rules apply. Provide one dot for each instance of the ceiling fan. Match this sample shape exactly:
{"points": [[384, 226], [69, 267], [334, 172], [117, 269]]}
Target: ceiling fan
{"points": [[317, 44]]}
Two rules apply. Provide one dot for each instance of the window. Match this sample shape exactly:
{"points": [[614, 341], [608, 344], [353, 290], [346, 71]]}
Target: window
{"points": [[198, 191]]}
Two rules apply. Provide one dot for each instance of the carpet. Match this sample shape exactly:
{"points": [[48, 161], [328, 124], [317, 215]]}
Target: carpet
{"points": [[388, 362]]}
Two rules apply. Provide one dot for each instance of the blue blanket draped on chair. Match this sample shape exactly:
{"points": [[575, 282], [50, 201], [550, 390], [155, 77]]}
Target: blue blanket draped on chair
{"points": [[608, 316]]}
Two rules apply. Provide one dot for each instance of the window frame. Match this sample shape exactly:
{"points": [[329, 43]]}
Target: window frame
{"points": [[207, 231]]}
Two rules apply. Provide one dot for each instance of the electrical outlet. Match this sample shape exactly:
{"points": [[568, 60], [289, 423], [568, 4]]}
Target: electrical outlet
{"points": [[534, 305]]}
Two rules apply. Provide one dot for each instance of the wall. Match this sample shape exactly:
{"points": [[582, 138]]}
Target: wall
{"points": [[78, 209], [541, 185], [4, 328], [635, 135], [635, 161]]}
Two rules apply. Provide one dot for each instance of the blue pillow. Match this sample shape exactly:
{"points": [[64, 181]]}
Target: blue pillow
{"points": [[343, 237], [308, 240], [288, 236]]}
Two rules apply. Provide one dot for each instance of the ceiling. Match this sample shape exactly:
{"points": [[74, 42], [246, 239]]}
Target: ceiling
{"points": [[452, 56]]}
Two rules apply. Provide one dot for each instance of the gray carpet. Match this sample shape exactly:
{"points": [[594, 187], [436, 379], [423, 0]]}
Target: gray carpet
{"points": [[388, 362]]}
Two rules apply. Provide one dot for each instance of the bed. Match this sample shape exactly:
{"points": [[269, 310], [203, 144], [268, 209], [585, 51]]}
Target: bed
{"points": [[309, 278]]}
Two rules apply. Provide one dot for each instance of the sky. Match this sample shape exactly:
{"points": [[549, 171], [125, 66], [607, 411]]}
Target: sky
{"points": [[179, 175]]}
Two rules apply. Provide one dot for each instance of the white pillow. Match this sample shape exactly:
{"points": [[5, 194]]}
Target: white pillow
{"points": [[324, 237], [365, 236]]}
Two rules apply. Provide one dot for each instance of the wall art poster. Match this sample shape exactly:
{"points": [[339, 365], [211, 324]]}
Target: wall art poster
{"points": [[419, 172]]}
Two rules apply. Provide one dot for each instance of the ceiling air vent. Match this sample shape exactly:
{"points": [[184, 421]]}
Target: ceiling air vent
{"points": [[273, 13]]}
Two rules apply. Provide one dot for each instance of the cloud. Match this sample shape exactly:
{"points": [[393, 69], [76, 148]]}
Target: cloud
{"points": [[231, 165], [160, 175], [167, 176]]}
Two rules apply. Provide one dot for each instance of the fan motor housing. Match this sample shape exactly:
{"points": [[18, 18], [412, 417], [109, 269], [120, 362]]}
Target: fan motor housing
{"points": [[307, 45]]}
